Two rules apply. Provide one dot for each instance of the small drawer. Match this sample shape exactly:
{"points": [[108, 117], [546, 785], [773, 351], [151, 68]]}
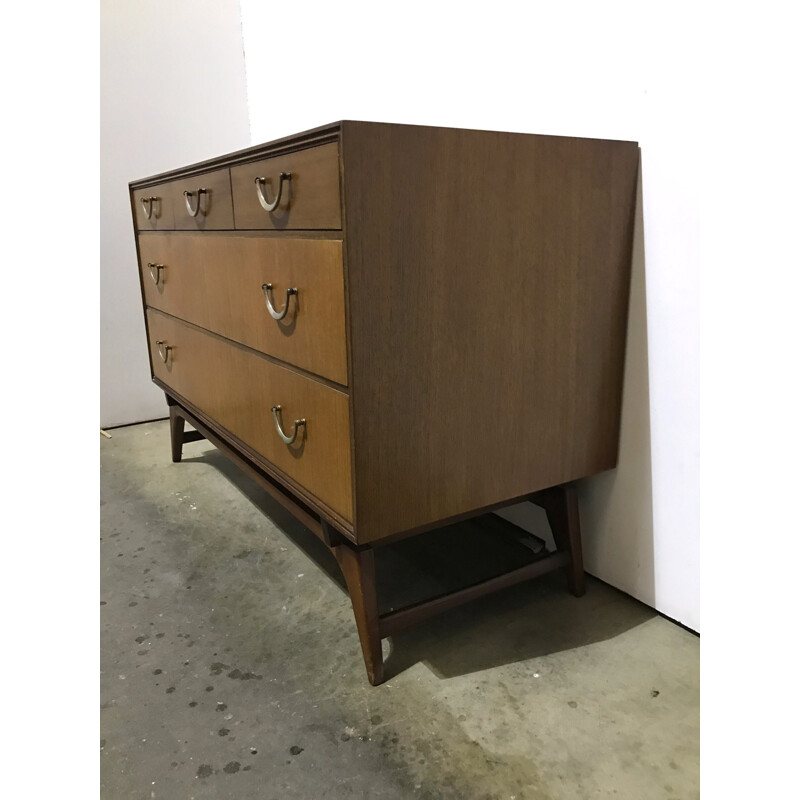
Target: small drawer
{"points": [[239, 390], [203, 203], [153, 208], [293, 191], [282, 296]]}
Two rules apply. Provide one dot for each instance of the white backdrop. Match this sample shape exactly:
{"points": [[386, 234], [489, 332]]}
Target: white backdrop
{"points": [[173, 91], [598, 70]]}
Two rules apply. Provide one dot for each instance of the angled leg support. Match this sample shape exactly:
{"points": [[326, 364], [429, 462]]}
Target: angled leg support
{"points": [[358, 568], [177, 435], [176, 430], [561, 506]]}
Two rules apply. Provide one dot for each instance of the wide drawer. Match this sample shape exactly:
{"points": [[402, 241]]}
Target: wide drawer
{"points": [[306, 197], [218, 281], [203, 202], [238, 388], [152, 208]]}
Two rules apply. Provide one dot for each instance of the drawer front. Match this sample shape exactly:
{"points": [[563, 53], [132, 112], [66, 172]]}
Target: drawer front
{"points": [[203, 203], [309, 196], [153, 208], [216, 281], [238, 388]]}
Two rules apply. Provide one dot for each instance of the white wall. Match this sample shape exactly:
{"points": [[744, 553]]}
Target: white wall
{"points": [[609, 70], [173, 92]]}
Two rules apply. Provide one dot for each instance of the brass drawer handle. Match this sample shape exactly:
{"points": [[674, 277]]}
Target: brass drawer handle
{"points": [[187, 198], [298, 424], [155, 271], [267, 289], [147, 205], [267, 206], [163, 350]]}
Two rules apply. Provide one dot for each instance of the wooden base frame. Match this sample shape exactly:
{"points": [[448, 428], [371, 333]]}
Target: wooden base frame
{"points": [[357, 562]]}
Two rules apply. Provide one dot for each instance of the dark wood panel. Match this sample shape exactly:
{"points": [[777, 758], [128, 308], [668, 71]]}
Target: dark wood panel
{"points": [[237, 388], [215, 281], [310, 199], [488, 278]]}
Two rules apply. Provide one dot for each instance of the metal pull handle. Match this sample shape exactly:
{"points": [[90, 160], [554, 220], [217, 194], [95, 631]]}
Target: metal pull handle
{"points": [[187, 198], [267, 289], [147, 205], [267, 206], [155, 271], [163, 350], [298, 424]]}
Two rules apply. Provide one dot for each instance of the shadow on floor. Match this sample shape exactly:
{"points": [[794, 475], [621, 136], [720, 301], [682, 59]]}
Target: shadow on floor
{"points": [[523, 622]]}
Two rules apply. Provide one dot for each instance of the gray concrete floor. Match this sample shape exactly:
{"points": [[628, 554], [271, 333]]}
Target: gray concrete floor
{"points": [[231, 666]]}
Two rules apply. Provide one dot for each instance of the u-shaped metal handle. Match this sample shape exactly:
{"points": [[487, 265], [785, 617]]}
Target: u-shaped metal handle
{"points": [[155, 271], [265, 204], [187, 198], [163, 349], [298, 424], [147, 205], [275, 314]]}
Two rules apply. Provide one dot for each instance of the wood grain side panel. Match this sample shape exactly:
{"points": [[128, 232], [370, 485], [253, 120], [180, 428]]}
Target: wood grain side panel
{"points": [[214, 280], [237, 389], [310, 200], [488, 277]]}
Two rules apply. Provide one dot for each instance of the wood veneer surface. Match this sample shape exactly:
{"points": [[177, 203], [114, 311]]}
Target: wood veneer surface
{"points": [[216, 207], [311, 199], [161, 217], [488, 283], [215, 281], [237, 388]]}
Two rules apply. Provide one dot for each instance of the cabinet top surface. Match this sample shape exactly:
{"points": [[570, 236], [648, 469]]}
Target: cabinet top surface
{"points": [[304, 139]]}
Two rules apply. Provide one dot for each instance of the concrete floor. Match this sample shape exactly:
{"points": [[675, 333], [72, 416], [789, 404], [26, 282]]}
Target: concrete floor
{"points": [[231, 666]]}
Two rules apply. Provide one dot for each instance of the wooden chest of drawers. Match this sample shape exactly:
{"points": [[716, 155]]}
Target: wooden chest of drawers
{"points": [[394, 327]]}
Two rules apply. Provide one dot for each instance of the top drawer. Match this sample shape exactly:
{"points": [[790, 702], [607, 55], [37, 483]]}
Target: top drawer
{"points": [[152, 208], [293, 191], [202, 203]]}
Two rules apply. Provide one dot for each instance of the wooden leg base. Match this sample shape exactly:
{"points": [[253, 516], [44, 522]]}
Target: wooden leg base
{"points": [[358, 568], [177, 433], [561, 506], [176, 427], [358, 565]]}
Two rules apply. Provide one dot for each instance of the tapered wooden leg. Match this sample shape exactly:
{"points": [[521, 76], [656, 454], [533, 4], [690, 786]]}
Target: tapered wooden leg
{"points": [[561, 505], [176, 424], [358, 568]]}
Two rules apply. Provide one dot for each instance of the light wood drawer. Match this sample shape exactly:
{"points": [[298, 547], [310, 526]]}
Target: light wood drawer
{"points": [[207, 206], [216, 281], [153, 208], [237, 388], [309, 199]]}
